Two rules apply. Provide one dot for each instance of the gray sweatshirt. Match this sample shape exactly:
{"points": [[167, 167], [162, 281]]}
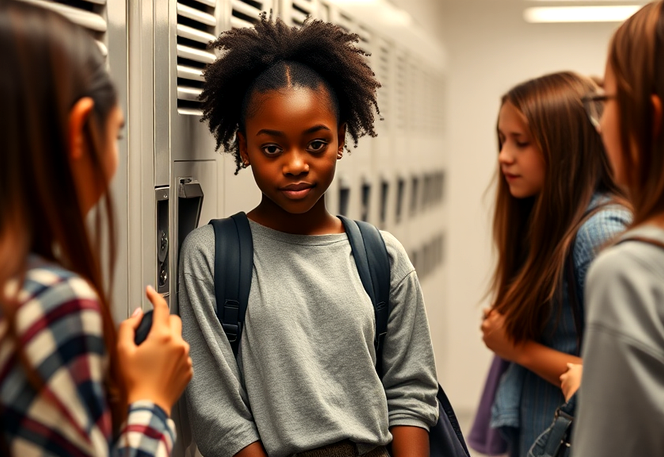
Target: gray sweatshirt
{"points": [[305, 375], [621, 400]]}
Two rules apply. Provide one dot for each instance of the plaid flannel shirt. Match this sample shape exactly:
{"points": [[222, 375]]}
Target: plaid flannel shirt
{"points": [[59, 327]]}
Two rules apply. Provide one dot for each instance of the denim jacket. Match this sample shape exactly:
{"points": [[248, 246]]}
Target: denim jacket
{"points": [[525, 403]]}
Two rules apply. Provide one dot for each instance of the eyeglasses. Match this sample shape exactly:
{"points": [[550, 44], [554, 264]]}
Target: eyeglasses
{"points": [[594, 106]]}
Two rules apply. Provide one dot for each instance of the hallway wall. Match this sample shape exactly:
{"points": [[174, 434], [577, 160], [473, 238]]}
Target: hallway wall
{"points": [[490, 48]]}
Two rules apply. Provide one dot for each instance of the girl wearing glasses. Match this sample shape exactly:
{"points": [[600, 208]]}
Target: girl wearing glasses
{"points": [[621, 408], [556, 205]]}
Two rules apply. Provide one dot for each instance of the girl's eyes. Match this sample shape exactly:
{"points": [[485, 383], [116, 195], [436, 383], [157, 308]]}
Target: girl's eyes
{"points": [[317, 146], [522, 145], [271, 149]]}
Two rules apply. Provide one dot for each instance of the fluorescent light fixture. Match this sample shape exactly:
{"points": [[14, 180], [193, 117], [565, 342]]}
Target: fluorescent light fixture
{"points": [[356, 2], [395, 16], [614, 13], [599, 2]]}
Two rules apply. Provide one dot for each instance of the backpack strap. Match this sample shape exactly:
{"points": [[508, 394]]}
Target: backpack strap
{"points": [[373, 265], [233, 268], [234, 246]]}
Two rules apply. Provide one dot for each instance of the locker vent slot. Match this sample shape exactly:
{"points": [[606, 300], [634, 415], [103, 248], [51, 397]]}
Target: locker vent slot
{"points": [[196, 24], [384, 194], [90, 14], [245, 13], [440, 186], [300, 10], [365, 39], [366, 200], [344, 199], [415, 191], [426, 191], [324, 12], [401, 190], [401, 96], [345, 22], [383, 74]]}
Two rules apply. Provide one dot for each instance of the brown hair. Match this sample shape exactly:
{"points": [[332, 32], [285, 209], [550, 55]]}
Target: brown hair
{"points": [[533, 235], [47, 64], [636, 57]]}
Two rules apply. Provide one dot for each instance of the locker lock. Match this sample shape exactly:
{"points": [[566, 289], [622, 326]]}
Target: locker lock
{"points": [[163, 246]]}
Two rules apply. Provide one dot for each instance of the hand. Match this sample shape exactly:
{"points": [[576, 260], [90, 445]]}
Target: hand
{"points": [[159, 369], [571, 380], [495, 337]]}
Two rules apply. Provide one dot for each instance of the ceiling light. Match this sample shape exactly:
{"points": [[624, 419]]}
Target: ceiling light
{"points": [[614, 13], [358, 2]]}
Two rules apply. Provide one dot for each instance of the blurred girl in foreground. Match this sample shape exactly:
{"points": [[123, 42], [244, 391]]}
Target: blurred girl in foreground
{"points": [[621, 409], [69, 384]]}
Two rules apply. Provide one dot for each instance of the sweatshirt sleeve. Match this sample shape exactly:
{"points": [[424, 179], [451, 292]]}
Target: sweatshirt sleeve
{"points": [[218, 408], [409, 368], [623, 360]]}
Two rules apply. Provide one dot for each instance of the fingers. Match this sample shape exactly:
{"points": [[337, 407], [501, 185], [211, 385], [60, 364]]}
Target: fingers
{"points": [[128, 327], [161, 311], [176, 324]]}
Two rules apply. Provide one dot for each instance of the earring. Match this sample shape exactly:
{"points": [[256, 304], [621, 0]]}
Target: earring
{"points": [[245, 163], [340, 154]]}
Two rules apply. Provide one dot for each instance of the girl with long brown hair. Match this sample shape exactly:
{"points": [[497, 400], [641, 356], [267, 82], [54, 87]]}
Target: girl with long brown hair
{"points": [[555, 207], [69, 383], [621, 409]]}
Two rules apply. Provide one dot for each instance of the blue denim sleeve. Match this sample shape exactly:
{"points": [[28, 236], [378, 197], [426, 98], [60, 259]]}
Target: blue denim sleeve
{"points": [[595, 234]]}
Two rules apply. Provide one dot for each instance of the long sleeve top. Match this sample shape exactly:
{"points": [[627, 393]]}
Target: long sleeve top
{"points": [[305, 374], [59, 328], [525, 403], [621, 399]]}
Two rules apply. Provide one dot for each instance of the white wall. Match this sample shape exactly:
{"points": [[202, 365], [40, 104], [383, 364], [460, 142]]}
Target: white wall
{"points": [[490, 48], [426, 13]]}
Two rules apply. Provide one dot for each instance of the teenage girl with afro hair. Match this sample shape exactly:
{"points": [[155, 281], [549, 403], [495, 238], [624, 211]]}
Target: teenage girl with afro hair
{"points": [[281, 100]]}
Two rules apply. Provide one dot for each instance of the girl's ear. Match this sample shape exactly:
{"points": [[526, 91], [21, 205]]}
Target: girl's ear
{"points": [[242, 143], [78, 118], [656, 115], [341, 140]]}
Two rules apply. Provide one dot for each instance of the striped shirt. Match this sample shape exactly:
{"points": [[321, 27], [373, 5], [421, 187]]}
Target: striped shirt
{"points": [[59, 327]]}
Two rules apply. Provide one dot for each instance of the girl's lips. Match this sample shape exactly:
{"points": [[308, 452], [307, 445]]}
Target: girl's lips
{"points": [[510, 177], [296, 193]]}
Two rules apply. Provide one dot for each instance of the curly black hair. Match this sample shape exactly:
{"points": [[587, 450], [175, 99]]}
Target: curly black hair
{"points": [[271, 55]]}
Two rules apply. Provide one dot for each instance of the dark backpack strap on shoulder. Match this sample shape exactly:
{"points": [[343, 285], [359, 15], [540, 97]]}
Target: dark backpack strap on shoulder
{"points": [[379, 268], [373, 266], [233, 267]]}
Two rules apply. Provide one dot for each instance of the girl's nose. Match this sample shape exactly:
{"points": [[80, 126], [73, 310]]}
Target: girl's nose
{"points": [[505, 156], [296, 164]]}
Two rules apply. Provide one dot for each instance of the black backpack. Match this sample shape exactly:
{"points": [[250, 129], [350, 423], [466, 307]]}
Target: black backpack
{"points": [[233, 269]]}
